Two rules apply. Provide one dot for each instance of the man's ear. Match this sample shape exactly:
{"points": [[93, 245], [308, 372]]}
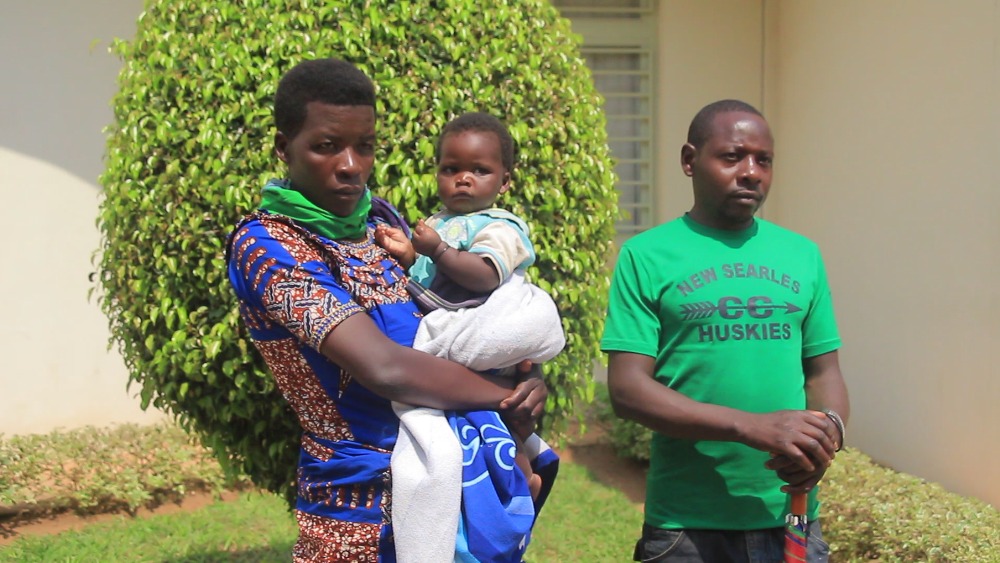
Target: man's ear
{"points": [[280, 146], [688, 155]]}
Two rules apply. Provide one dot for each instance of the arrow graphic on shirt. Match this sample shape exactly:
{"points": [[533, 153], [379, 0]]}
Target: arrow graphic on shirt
{"points": [[705, 309]]}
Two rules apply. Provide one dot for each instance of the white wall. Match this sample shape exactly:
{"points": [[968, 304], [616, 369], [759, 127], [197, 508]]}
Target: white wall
{"points": [[708, 50], [886, 116], [58, 79]]}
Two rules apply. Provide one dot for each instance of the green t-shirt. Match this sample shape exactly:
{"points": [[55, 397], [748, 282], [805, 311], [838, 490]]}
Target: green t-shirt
{"points": [[728, 317]]}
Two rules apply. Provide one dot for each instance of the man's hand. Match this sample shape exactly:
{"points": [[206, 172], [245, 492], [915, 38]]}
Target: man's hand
{"points": [[801, 437], [396, 243], [525, 405], [425, 239], [801, 479]]}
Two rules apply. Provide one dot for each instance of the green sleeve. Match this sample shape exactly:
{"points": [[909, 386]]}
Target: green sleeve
{"points": [[819, 332], [632, 323]]}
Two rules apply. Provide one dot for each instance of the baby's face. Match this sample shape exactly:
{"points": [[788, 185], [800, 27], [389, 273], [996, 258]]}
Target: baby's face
{"points": [[471, 174]]}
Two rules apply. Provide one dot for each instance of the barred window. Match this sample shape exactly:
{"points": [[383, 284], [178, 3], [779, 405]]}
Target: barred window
{"points": [[618, 45]]}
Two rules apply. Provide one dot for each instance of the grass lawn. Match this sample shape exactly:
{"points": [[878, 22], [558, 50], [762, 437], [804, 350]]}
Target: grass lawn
{"points": [[254, 527], [583, 520]]}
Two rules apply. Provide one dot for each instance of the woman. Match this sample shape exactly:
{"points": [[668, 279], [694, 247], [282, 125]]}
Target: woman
{"points": [[329, 311]]}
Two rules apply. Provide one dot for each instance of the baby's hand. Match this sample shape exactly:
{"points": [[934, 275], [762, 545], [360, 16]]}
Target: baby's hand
{"points": [[425, 239], [396, 243]]}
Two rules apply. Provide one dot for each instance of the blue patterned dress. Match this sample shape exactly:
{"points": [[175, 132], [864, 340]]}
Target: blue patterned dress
{"points": [[294, 287]]}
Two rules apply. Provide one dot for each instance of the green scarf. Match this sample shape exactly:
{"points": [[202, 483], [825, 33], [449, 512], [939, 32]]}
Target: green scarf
{"points": [[278, 197]]}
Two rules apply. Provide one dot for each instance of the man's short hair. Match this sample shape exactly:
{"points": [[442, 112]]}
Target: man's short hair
{"points": [[480, 123], [701, 126], [330, 81]]}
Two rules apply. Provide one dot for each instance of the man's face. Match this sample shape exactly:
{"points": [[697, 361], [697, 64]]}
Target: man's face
{"points": [[471, 173], [731, 171], [331, 157]]}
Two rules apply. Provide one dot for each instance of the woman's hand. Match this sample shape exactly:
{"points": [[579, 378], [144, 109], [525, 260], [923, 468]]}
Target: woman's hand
{"points": [[526, 403]]}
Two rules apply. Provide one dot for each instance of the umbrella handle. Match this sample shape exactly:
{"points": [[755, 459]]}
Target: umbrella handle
{"points": [[800, 503]]}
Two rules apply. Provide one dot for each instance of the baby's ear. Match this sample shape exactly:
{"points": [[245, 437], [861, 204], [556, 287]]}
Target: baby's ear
{"points": [[506, 183]]}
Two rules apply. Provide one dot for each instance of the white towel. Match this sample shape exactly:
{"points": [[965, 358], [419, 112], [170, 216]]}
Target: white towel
{"points": [[518, 322], [426, 486]]}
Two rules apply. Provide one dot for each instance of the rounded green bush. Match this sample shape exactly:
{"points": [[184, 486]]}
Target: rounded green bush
{"points": [[191, 145]]}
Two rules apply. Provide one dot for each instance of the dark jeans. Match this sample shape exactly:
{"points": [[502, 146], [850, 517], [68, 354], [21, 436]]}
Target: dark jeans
{"points": [[724, 546]]}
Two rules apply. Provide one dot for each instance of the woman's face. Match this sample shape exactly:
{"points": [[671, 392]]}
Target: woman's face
{"points": [[331, 157]]}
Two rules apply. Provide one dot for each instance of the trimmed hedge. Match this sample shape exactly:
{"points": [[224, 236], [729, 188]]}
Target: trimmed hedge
{"points": [[91, 470], [191, 145], [875, 513]]}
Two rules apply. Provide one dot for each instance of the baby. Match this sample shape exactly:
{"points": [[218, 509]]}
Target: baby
{"points": [[467, 265]]}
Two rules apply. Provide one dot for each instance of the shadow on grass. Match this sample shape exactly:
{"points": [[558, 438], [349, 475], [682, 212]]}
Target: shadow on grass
{"points": [[278, 551], [606, 468], [593, 450]]}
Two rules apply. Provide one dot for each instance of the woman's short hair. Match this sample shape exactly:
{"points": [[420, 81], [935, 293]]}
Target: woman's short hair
{"points": [[330, 81]]}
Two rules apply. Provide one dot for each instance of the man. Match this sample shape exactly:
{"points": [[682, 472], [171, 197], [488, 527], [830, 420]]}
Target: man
{"points": [[722, 339]]}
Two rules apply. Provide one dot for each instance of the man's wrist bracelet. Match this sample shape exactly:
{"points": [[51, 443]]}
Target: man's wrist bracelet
{"points": [[832, 415], [439, 251]]}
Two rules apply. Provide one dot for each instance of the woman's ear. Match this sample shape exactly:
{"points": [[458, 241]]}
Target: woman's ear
{"points": [[281, 146]]}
